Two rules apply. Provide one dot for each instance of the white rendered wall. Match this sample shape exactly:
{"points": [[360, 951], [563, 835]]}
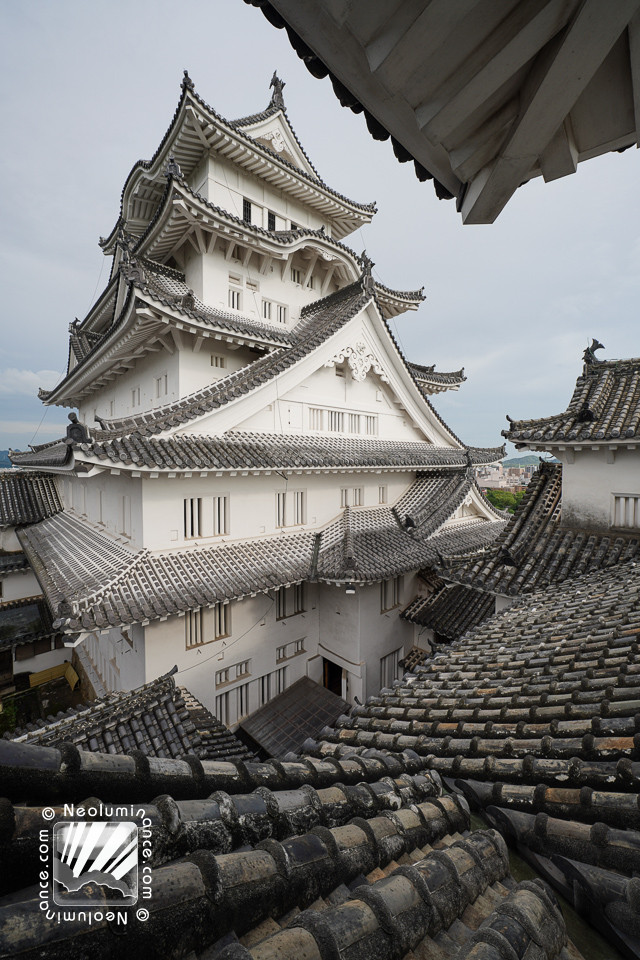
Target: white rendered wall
{"points": [[42, 661], [252, 503], [118, 657], [117, 398], [111, 502], [22, 583], [589, 484]]}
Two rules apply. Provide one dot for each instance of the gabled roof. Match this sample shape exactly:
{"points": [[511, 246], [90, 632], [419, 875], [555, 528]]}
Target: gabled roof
{"points": [[535, 550], [156, 719], [92, 582], [26, 497], [194, 120], [432, 381], [24, 620], [605, 407]]}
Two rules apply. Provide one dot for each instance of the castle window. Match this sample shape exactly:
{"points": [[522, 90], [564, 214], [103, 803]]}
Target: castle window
{"points": [[290, 601], [282, 313], [266, 309], [135, 397], [351, 497], [354, 423], [162, 385], [390, 593], [246, 210], [192, 517], [271, 220], [316, 418], [382, 494], [291, 508], [221, 621], [235, 298], [193, 628], [296, 275], [389, 669], [371, 426], [336, 421], [222, 707], [626, 511], [218, 361]]}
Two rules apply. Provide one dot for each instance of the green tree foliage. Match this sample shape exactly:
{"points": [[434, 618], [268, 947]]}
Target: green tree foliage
{"points": [[504, 499]]}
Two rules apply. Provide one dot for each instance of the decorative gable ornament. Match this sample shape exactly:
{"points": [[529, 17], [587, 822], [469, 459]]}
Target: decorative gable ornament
{"points": [[359, 361], [278, 142]]}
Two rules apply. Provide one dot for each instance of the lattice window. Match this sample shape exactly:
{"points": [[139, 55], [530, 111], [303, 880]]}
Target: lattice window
{"points": [[266, 309], [336, 421], [389, 669], [192, 517], [246, 210], [351, 496], [291, 508], [290, 601], [222, 676], [218, 361], [235, 298], [194, 628], [222, 707], [243, 669], [282, 313], [220, 515], [316, 418], [390, 593], [626, 510], [354, 423], [296, 275], [162, 385], [382, 493], [221, 621], [135, 397], [242, 699], [371, 426], [271, 220]]}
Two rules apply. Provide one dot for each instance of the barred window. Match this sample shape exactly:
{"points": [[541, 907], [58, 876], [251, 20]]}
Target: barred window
{"points": [[246, 210], [194, 628]]}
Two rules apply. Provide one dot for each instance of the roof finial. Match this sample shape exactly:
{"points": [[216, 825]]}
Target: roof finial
{"points": [[172, 169], [278, 86], [187, 82], [367, 267], [589, 355]]}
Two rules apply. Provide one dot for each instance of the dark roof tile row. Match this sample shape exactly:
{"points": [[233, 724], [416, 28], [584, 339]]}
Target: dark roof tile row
{"points": [[27, 497], [605, 406], [451, 611]]}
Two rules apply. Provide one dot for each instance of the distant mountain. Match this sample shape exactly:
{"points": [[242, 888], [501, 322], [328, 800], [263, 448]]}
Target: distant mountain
{"points": [[528, 461], [4, 459]]}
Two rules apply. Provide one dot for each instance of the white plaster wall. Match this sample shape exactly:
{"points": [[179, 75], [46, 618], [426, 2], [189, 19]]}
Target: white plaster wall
{"points": [[100, 500], [196, 369], [42, 661], [252, 503], [9, 540], [590, 483], [118, 657], [255, 636], [325, 390], [21, 584], [356, 635], [142, 374]]}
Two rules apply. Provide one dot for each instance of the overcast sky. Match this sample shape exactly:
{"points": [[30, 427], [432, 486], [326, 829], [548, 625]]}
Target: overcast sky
{"points": [[89, 88]]}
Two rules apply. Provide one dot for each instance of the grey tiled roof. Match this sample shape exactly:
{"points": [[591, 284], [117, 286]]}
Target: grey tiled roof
{"points": [[26, 497], [24, 620], [605, 406], [377, 857], [12, 561], [285, 722], [450, 611], [533, 716], [535, 549], [157, 719], [91, 581], [318, 321], [430, 376], [241, 451]]}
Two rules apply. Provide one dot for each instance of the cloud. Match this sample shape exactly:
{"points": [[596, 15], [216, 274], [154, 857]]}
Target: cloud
{"points": [[26, 382]]}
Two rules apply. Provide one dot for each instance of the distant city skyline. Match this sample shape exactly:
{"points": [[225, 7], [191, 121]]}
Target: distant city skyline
{"points": [[94, 88]]}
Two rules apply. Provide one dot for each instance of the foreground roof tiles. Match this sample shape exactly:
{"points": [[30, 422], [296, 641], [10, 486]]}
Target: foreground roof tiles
{"points": [[157, 719], [533, 716], [357, 856], [534, 549], [94, 582], [26, 497], [450, 611], [605, 406]]}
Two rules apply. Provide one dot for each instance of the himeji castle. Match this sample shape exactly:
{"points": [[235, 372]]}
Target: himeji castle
{"points": [[255, 472]]}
